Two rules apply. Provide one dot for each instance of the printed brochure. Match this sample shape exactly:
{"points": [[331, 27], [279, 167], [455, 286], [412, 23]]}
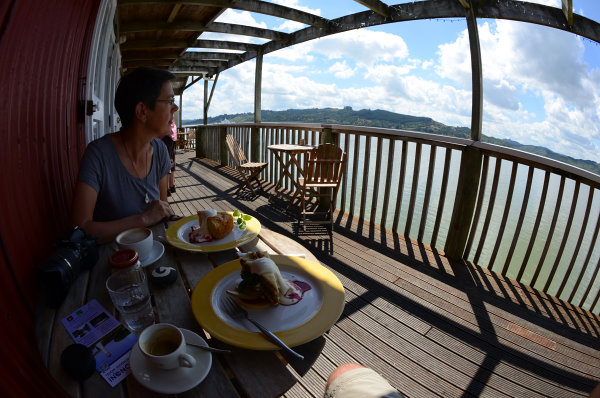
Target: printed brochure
{"points": [[110, 341]]}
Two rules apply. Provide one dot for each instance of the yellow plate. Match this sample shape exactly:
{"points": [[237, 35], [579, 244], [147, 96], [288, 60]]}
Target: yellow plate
{"points": [[177, 236], [296, 324]]}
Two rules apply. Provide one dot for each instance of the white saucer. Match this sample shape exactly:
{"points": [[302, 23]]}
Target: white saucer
{"points": [[157, 251], [172, 381]]}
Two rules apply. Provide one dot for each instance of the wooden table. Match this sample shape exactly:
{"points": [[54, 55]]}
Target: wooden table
{"points": [[291, 153], [240, 373]]}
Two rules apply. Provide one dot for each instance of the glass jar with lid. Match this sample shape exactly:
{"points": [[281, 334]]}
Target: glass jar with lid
{"points": [[124, 259]]}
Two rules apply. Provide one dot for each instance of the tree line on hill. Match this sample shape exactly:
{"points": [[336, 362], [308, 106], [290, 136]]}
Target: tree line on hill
{"points": [[388, 120]]}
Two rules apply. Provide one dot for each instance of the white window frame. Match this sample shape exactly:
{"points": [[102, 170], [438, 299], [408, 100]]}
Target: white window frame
{"points": [[102, 75]]}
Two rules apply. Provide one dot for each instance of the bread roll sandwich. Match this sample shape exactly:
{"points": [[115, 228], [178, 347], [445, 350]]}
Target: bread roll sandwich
{"points": [[262, 282]]}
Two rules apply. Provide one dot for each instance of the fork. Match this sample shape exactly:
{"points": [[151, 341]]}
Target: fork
{"points": [[236, 311]]}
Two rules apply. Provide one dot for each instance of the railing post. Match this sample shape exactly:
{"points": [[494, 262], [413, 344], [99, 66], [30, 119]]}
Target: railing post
{"points": [[201, 142], [255, 144], [328, 136], [223, 145], [464, 203]]}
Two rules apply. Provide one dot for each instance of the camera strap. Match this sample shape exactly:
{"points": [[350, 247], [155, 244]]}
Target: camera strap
{"points": [[67, 262]]}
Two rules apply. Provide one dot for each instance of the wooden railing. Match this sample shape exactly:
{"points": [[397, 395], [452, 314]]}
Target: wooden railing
{"points": [[529, 218]]}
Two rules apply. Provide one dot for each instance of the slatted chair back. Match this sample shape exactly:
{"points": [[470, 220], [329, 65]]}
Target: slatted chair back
{"points": [[324, 169], [191, 140], [325, 166], [248, 171], [235, 150]]}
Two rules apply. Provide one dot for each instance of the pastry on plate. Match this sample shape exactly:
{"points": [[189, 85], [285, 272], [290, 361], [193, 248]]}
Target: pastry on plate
{"points": [[262, 283], [212, 225], [220, 225]]}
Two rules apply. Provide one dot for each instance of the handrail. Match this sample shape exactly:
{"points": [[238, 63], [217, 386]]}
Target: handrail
{"points": [[532, 219]]}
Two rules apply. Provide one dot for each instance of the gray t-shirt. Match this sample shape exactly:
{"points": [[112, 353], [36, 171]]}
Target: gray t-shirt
{"points": [[119, 193]]}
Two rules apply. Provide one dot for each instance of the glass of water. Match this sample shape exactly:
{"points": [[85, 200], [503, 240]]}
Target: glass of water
{"points": [[128, 290]]}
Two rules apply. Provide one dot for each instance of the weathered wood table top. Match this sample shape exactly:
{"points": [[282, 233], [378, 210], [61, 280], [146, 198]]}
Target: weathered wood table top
{"points": [[240, 373]]}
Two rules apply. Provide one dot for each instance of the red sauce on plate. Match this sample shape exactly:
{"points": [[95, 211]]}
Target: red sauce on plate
{"points": [[296, 294]]}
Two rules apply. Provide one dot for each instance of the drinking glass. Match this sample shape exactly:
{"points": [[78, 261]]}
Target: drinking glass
{"points": [[128, 290]]}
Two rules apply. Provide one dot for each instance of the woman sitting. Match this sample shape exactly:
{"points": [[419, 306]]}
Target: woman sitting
{"points": [[123, 177]]}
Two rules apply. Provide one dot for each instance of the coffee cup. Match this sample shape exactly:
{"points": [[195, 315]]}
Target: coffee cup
{"points": [[163, 345], [138, 239]]}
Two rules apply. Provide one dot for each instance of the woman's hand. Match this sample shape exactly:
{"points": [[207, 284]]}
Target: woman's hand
{"points": [[157, 211]]}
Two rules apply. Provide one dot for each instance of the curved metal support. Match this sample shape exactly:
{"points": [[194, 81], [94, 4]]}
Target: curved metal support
{"points": [[499, 9], [476, 74]]}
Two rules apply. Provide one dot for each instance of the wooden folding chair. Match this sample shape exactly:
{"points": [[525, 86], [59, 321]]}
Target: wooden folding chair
{"points": [[323, 173], [242, 165]]}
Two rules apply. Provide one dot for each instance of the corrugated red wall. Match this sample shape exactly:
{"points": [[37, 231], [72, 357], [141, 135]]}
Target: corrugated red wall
{"points": [[43, 62]]}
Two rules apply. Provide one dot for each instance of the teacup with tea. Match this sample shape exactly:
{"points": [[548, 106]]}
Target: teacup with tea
{"points": [[163, 345]]}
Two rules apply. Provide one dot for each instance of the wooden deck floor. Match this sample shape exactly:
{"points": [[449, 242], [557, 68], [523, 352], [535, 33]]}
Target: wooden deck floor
{"points": [[432, 327]]}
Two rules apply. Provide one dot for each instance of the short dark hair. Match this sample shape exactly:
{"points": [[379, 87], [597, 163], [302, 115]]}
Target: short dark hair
{"points": [[140, 85]]}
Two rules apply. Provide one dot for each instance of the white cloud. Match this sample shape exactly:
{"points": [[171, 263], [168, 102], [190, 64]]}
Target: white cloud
{"points": [[521, 63], [341, 70], [519, 58], [363, 47], [294, 4]]}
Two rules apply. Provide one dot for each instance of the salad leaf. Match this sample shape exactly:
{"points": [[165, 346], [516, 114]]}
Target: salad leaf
{"points": [[240, 219]]}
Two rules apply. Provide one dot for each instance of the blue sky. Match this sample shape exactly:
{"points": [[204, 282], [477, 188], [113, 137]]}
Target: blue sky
{"points": [[541, 85]]}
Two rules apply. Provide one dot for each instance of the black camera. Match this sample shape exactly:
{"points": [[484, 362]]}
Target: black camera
{"points": [[73, 253]]}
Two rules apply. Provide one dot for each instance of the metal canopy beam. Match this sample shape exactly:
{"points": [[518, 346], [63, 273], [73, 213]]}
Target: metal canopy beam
{"points": [[195, 26], [261, 7], [225, 45], [432, 9], [379, 7], [207, 64], [218, 27], [204, 55]]}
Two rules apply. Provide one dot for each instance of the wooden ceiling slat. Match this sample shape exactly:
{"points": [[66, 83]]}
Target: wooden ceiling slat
{"points": [[151, 44], [174, 12]]}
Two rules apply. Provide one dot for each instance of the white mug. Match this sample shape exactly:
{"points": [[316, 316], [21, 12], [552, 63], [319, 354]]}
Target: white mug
{"points": [[163, 345], [138, 239]]}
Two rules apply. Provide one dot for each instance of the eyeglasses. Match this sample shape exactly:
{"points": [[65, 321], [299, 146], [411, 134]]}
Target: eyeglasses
{"points": [[170, 101]]}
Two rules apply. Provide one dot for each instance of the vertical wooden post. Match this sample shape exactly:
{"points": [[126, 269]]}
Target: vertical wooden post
{"points": [[470, 165], [201, 141], [223, 145], [205, 113], [464, 203], [476, 75], [255, 131], [258, 85]]}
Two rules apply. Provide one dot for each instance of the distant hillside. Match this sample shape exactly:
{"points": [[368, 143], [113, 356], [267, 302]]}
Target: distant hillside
{"points": [[389, 120]]}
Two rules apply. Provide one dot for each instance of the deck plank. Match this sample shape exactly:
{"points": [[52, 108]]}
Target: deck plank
{"points": [[431, 326]]}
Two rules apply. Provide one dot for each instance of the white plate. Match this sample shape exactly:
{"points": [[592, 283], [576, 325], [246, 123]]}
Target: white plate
{"points": [[157, 251], [177, 236], [322, 305], [172, 381], [184, 232], [280, 317]]}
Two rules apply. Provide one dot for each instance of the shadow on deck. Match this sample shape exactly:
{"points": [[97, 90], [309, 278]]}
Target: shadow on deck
{"points": [[431, 326]]}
